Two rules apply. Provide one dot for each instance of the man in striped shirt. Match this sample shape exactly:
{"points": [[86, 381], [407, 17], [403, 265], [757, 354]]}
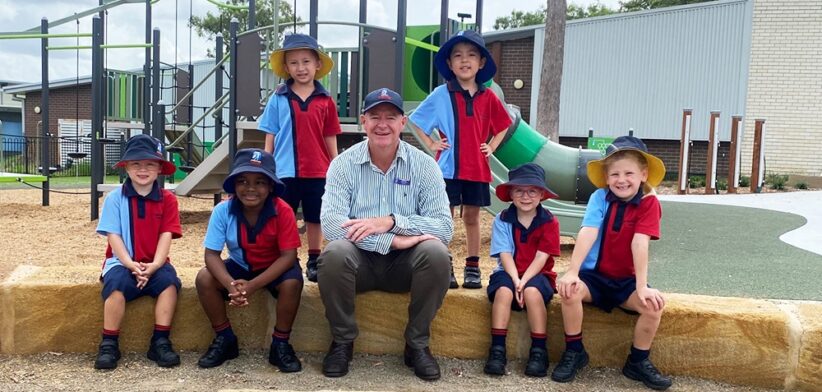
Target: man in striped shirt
{"points": [[385, 211]]}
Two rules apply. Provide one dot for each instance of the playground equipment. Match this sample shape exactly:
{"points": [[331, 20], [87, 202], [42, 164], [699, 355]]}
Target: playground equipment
{"points": [[734, 166]]}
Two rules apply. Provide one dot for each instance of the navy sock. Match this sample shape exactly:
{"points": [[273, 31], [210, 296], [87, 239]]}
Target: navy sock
{"points": [[161, 331], [574, 343], [280, 336], [225, 330], [538, 340], [313, 254], [472, 261], [498, 337], [639, 355], [111, 334]]}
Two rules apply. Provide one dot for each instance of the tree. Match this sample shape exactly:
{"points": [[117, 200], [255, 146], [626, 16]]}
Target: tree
{"points": [[211, 24], [552, 58], [638, 5], [520, 19], [578, 12]]}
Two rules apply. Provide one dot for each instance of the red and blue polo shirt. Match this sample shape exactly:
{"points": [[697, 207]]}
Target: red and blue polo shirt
{"points": [[466, 122], [509, 236], [139, 221], [300, 128], [252, 247], [622, 220]]}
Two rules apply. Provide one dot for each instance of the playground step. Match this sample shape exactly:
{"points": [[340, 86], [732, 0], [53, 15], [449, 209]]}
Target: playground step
{"points": [[742, 341]]}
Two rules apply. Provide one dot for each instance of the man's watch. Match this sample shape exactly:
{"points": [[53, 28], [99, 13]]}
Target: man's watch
{"points": [[393, 222]]}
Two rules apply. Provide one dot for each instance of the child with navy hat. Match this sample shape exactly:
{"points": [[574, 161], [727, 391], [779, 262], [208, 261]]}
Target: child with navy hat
{"points": [[470, 121], [525, 240], [609, 265], [260, 232], [139, 219], [301, 125]]}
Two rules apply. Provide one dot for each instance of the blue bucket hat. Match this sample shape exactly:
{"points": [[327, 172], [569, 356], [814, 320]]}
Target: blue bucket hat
{"points": [[253, 160], [529, 174], [380, 96], [656, 168], [145, 147], [294, 42], [485, 73]]}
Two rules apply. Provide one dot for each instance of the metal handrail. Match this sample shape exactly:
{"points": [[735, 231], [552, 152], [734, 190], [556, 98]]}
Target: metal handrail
{"points": [[202, 81], [218, 105]]}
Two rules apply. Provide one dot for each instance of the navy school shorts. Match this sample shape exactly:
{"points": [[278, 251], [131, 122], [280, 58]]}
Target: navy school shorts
{"points": [[469, 193], [501, 279], [309, 192], [238, 272], [607, 293], [119, 278]]}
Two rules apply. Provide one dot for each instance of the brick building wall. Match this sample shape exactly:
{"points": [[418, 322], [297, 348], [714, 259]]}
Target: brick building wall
{"points": [[63, 104], [785, 86], [515, 62]]}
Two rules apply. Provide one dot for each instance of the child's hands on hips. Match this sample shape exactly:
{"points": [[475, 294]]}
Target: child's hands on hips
{"points": [[439, 145], [486, 149]]}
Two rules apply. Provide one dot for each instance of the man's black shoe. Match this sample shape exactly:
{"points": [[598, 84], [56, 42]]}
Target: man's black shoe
{"points": [[452, 283], [424, 364], [646, 372], [495, 365], [283, 357], [107, 355], [336, 362], [311, 270], [161, 351], [537, 365], [220, 350], [569, 364]]}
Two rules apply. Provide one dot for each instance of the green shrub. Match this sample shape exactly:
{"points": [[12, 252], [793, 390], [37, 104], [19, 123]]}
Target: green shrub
{"points": [[801, 185], [744, 181], [776, 181], [722, 184], [696, 181]]}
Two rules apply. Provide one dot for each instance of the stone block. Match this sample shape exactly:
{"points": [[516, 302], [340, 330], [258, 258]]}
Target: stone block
{"points": [[809, 371]]}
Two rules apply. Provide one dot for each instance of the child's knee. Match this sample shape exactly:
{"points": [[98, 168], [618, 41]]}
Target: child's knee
{"points": [[116, 296], [470, 216], [650, 313], [504, 294], [532, 293], [574, 298], [204, 278], [290, 287]]}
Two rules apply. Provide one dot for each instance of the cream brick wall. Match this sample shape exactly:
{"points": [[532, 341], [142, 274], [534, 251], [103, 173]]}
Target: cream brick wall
{"points": [[785, 86]]}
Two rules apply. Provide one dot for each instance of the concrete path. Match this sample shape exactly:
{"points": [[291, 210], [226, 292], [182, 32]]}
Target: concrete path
{"points": [[807, 204]]}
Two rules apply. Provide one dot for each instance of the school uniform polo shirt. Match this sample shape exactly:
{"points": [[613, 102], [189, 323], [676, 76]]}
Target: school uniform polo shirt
{"points": [[621, 221], [300, 128], [139, 221], [509, 236], [252, 247], [466, 122]]}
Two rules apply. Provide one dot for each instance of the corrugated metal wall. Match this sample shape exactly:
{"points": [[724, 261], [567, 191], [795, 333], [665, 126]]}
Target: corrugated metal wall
{"points": [[640, 70]]}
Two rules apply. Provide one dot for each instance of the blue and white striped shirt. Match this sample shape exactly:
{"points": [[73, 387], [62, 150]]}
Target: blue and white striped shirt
{"points": [[412, 189]]}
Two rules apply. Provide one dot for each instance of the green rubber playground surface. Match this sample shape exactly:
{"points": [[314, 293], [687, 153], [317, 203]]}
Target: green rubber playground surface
{"points": [[732, 251], [15, 177]]}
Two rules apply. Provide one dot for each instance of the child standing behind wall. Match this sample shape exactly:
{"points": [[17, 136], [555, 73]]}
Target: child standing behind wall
{"points": [[302, 125], [466, 115]]}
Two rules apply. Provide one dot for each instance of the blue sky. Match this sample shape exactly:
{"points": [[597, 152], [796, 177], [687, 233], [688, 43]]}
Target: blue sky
{"points": [[20, 59]]}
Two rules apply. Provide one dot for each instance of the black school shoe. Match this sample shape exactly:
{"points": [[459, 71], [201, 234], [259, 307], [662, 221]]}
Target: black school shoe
{"points": [[107, 355], [537, 365], [311, 270], [646, 372], [161, 352], [569, 364], [495, 365], [220, 350], [471, 278], [424, 364], [283, 357]]}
